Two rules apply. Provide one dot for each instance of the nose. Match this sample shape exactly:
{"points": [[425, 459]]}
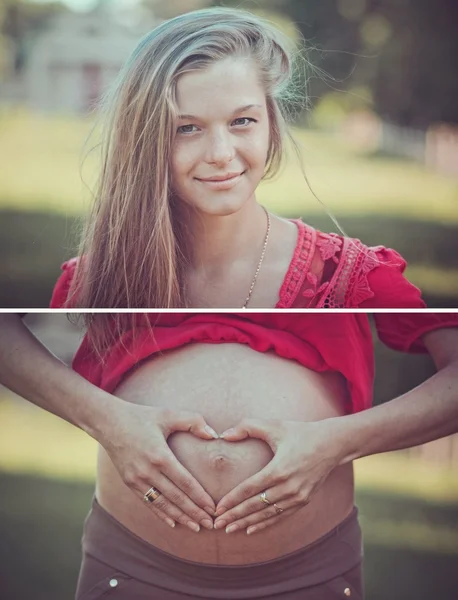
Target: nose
{"points": [[220, 149]]}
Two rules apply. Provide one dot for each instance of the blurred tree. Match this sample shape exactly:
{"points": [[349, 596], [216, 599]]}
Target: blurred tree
{"points": [[19, 20], [416, 82], [403, 50], [166, 9]]}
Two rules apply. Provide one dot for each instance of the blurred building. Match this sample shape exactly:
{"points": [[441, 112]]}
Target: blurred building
{"points": [[436, 147], [69, 65]]}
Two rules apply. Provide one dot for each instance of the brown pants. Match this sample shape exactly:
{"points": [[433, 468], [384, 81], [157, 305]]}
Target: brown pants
{"points": [[118, 565]]}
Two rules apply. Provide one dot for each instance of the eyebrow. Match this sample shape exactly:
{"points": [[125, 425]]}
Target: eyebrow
{"points": [[236, 111]]}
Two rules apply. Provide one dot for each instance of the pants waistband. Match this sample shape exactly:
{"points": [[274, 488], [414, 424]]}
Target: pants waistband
{"points": [[332, 555]]}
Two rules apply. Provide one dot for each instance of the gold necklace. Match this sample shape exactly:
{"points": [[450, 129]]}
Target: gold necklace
{"points": [[266, 239]]}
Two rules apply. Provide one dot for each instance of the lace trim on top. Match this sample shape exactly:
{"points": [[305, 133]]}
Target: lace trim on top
{"points": [[299, 266], [328, 271]]}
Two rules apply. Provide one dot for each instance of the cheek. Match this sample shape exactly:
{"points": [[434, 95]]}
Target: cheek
{"points": [[182, 160], [258, 148]]}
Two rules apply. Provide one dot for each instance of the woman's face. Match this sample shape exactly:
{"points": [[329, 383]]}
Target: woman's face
{"points": [[222, 131]]}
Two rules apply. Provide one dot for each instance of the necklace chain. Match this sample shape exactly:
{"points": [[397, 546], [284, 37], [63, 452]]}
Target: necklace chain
{"points": [[266, 239]]}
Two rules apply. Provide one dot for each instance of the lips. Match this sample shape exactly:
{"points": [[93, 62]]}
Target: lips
{"points": [[220, 177]]}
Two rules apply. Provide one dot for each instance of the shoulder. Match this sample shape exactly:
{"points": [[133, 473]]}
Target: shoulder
{"points": [[373, 277], [60, 295], [406, 331], [336, 271]]}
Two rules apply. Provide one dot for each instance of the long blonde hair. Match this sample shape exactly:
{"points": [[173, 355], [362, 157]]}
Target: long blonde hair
{"points": [[135, 244]]}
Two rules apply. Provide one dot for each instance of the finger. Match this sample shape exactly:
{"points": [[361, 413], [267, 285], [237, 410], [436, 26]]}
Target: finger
{"points": [[189, 486], [173, 498], [162, 505], [268, 430], [166, 510], [264, 524], [288, 507], [156, 511], [253, 486], [189, 422], [254, 505]]}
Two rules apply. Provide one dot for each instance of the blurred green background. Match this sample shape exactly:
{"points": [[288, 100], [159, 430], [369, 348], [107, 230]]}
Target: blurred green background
{"points": [[408, 500], [379, 136]]}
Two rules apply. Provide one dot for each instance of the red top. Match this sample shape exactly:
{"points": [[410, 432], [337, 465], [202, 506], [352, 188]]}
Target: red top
{"points": [[326, 271], [322, 342]]}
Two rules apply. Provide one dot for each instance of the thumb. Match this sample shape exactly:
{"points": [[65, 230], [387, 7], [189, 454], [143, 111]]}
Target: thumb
{"points": [[192, 423], [267, 430]]}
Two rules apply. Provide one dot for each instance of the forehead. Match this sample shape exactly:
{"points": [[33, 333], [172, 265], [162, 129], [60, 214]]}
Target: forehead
{"points": [[219, 88]]}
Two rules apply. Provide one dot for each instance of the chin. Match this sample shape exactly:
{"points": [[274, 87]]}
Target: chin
{"points": [[221, 209], [218, 205]]}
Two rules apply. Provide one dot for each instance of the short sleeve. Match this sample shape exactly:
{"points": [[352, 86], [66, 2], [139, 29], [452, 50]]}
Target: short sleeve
{"points": [[404, 331], [61, 289], [380, 282]]}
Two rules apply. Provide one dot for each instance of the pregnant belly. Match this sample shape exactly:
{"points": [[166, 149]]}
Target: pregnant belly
{"points": [[226, 383]]}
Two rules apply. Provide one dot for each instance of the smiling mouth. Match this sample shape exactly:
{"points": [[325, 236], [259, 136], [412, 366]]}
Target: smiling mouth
{"points": [[221, 180]]}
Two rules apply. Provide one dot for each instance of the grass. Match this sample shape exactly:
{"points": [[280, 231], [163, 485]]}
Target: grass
{"points": [[434, 280], [411, 534], [41, 159], [350, 184], [35, 442], [41, 156], [403, 475]]}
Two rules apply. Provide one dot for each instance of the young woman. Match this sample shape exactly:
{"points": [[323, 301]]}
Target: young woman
{"points": [[197, 118], [215, 426]]}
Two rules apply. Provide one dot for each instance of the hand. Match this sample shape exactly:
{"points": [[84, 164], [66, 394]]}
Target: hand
{"points": [[136, 441], [304, 455]]}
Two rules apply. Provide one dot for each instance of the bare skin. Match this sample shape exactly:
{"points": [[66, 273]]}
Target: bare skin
{"points": [[228, 225], [229, 285], [217, 138], [226, 383]]}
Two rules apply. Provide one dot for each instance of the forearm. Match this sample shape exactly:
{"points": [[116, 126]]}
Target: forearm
{"points": [[30, 370], [426, 413]]}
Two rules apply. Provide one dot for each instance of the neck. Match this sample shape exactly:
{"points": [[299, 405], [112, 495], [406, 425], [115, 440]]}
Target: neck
{"points": [[219, 241]]}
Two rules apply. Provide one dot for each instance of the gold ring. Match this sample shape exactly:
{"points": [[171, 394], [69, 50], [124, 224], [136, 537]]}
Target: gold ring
{"points": [[263, 498], [278, 509], [151, 495]]}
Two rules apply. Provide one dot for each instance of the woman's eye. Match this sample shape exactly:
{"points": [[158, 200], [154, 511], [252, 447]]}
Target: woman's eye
{"points": [[245, 119], [185, 129]]}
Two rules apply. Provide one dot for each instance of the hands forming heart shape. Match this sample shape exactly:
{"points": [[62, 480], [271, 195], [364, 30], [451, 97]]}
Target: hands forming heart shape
{"points": [[305, 453], [303, 458]]}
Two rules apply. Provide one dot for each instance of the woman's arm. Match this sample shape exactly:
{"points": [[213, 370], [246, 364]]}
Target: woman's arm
{"points": [[134, 436], [426, 413], [30, 370], [305, 453]]}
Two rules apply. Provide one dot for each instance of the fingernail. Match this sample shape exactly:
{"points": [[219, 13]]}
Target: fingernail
{"points": [[211, 431], [170, 522], [207, 523], [221, 510], [220, 524], [193, 526], [210, 511], [251, 530], [231, 528], [227, 432]]}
